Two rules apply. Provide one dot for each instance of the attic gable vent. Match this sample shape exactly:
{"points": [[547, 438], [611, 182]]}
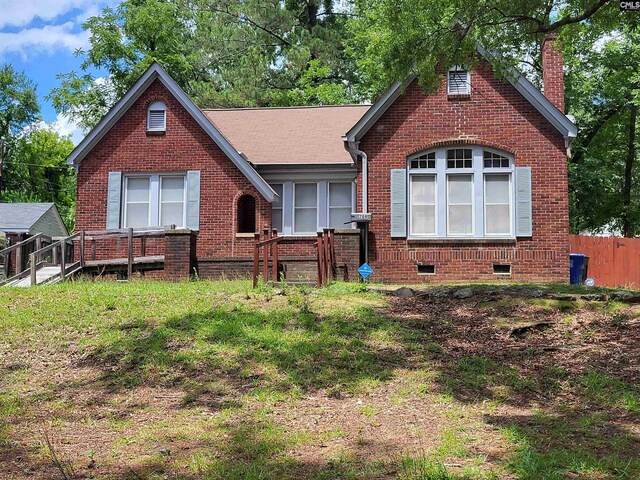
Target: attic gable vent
{"points": [[157, 117], [458, 81]]}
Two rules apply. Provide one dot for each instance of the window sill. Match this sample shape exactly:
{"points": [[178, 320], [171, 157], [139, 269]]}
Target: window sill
{"points": [[156, 133], [245, 235], [468, 241], [458, 96]]}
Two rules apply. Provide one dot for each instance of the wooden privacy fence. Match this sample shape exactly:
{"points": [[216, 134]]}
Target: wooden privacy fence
{"points": [[613, 261], [325, 254]]}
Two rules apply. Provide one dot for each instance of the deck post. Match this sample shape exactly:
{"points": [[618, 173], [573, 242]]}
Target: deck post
{"points": [[19, 259], [63, 257], [320, 256], [256, 259], [274, 256], [332, 252], [129, 253], [81, 248], [265, 257], [93, 248], [325, 238], [34, 278]]}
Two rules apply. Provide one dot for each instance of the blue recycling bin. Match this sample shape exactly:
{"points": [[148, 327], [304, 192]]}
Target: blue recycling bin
{"points": [[577, 268]]}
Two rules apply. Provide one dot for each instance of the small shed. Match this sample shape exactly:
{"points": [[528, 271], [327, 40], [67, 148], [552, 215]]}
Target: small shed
{"points": [[26, 219]]}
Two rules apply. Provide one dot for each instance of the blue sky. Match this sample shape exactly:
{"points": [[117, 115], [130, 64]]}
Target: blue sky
{"points": [[40, 37]]}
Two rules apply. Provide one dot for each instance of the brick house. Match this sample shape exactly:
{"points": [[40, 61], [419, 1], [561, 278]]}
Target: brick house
{"points": [[468, 183]]}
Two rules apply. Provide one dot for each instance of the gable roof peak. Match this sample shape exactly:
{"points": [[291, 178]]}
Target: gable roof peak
{"points": [[535, 97], [153, 73]]}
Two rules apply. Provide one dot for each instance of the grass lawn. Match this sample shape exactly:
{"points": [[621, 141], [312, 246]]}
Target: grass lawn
{"points": [[215, 380]]}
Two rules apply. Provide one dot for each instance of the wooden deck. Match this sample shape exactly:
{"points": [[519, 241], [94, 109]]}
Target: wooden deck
{"points": [[152, 262]]}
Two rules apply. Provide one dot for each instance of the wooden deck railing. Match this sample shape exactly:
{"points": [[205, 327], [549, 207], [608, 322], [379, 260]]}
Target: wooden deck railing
{"points": [[269, 243]]}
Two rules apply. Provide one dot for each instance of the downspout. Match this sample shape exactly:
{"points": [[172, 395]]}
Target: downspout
{"points": [[365, 172]]}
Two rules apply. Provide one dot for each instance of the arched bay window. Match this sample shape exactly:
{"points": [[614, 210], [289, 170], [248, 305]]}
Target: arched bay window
{"points": [[461, 192]]}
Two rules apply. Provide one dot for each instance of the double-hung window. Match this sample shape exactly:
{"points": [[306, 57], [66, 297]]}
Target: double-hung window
{"points": [[154, 200], [460, 193], [276, 207], [423, 193], [498, 194], [305, 208], [340, 201]]}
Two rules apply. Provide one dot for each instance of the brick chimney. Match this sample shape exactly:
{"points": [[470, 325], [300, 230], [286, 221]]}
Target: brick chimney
{"points": [[552, 74]]}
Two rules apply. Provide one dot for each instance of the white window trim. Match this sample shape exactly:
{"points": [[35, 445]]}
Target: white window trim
{"points": [[155, 203], [293, 202], [459, 68], [478, 171], [329, 207], [423, 173], [157, 106]]}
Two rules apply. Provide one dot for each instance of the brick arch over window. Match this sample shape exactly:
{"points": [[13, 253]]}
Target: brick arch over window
{"points": [[246, 210], [453, 142]]}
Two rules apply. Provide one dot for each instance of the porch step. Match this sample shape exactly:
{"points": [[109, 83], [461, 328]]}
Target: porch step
{"points": [[300, 272]]}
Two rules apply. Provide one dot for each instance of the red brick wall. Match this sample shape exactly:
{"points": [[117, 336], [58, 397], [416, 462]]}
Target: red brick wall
{"points": [[185, 146], [496, 115]]}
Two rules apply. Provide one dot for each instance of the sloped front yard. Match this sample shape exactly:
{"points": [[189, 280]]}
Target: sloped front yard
{"points": [[215, 380]]}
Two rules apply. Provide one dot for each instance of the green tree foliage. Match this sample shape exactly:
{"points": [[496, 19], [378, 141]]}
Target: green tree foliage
{"points": [[34, 157], [18, 107], [603, 88], [396, 38], [38, 172], [222, 52]]}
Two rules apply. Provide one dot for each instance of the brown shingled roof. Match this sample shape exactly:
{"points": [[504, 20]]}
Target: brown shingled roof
{"points": [[271, 136]]}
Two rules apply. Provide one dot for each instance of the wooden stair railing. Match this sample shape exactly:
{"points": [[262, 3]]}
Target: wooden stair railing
{"points": [[17, 251], [61, 254], [324, 247]]}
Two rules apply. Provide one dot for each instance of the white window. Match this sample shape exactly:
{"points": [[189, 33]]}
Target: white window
{"points": [[340, 200], [460, 193], [137, 202], [305, 208], [276, 208], [497, 204], [423, 205], [458, 81], [460, 204], [154, 200], [157, 117], [172, 200]]}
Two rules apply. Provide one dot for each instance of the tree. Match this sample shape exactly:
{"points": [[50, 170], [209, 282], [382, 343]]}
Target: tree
{"points": [[38, 171], [34, 157], [603, 87], [221, 52], [18, 108], [394, 38]]}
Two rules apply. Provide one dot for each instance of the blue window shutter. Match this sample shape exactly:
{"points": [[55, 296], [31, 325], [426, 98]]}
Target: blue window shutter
{"points": [[114, 194], [399, 202], [193, 199], [524, 216]]}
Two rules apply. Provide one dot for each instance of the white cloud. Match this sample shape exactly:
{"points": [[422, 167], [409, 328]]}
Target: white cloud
{"points": [[20, 13], [64, 126], [45, 39]]}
